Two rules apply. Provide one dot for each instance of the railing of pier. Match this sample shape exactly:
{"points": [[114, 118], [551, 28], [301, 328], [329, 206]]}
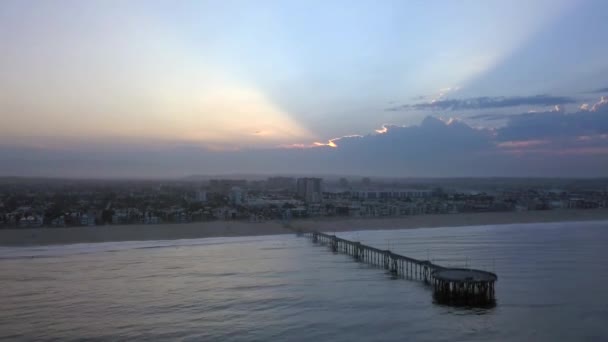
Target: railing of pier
{"points": [[397, 264]]}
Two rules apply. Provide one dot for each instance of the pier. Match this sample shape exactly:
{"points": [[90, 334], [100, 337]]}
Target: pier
{"points": [[452, 286]]}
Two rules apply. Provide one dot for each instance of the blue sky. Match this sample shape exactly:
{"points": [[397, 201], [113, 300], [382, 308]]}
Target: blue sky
{"points": [[227, 78]]}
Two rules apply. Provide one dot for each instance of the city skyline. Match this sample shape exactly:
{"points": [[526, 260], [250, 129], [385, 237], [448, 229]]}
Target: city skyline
{"points": [[397, 89]]}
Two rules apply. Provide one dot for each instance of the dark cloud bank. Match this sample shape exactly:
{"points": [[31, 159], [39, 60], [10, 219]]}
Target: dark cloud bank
{"points": [[548, 144], [601, 90], [486, 102]]}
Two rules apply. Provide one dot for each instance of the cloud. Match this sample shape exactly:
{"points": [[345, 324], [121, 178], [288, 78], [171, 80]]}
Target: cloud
{"points": [[599, 105], [435, 147], [596, 106], [557, 124], [383, 129], [433, 135], [485, 102], [443, 92], [522, 143], [330, 143], [551, 143], [600, 90], [489, 117]]}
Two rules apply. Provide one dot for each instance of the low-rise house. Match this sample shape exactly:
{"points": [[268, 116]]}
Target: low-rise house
{"points": [[31, 221]]}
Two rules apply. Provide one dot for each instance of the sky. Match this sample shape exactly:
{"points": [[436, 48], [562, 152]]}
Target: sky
{"points": [[112, 89]]}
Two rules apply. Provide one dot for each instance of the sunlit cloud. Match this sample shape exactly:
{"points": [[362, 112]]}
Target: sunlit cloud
{"points": [[334, 142], [295, 146], [451, 121], [444, 92], [603, 102], [522, 143], [330, 143], [382, 130]]}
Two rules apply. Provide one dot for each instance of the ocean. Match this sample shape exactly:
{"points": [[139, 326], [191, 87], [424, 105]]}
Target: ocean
{"points": [[552, 285]]}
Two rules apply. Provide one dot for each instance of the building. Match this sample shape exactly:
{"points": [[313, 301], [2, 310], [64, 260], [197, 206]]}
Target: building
{"points": [[31, 221], [280, 183], [200, 195], [223, 186], [87, 220], [400, 194], [236, 196], [309, 189]]}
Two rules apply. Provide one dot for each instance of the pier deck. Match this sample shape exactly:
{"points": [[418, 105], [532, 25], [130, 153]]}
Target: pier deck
{"points": [[456, 286]]}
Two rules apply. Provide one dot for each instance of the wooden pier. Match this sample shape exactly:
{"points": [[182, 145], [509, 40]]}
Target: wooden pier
{"points": [[453, 286]]}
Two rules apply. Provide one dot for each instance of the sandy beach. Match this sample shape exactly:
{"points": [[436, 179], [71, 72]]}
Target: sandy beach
{"points": [[47, 236]]}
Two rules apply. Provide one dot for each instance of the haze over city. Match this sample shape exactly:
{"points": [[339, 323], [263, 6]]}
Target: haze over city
{"points": [[114, 89]]}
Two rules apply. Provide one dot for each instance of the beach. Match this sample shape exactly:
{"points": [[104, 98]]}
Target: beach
{"points": [[140, 232]]}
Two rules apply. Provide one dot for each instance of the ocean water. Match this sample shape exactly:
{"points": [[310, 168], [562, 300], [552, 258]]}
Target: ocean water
{"points": [[552, 285]]}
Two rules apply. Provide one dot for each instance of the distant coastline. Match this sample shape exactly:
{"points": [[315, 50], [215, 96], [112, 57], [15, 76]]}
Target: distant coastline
{"points": [[51, 236]]}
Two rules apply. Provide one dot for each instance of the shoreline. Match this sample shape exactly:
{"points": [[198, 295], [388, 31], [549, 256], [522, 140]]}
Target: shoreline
{"points": [[197, 230]]}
